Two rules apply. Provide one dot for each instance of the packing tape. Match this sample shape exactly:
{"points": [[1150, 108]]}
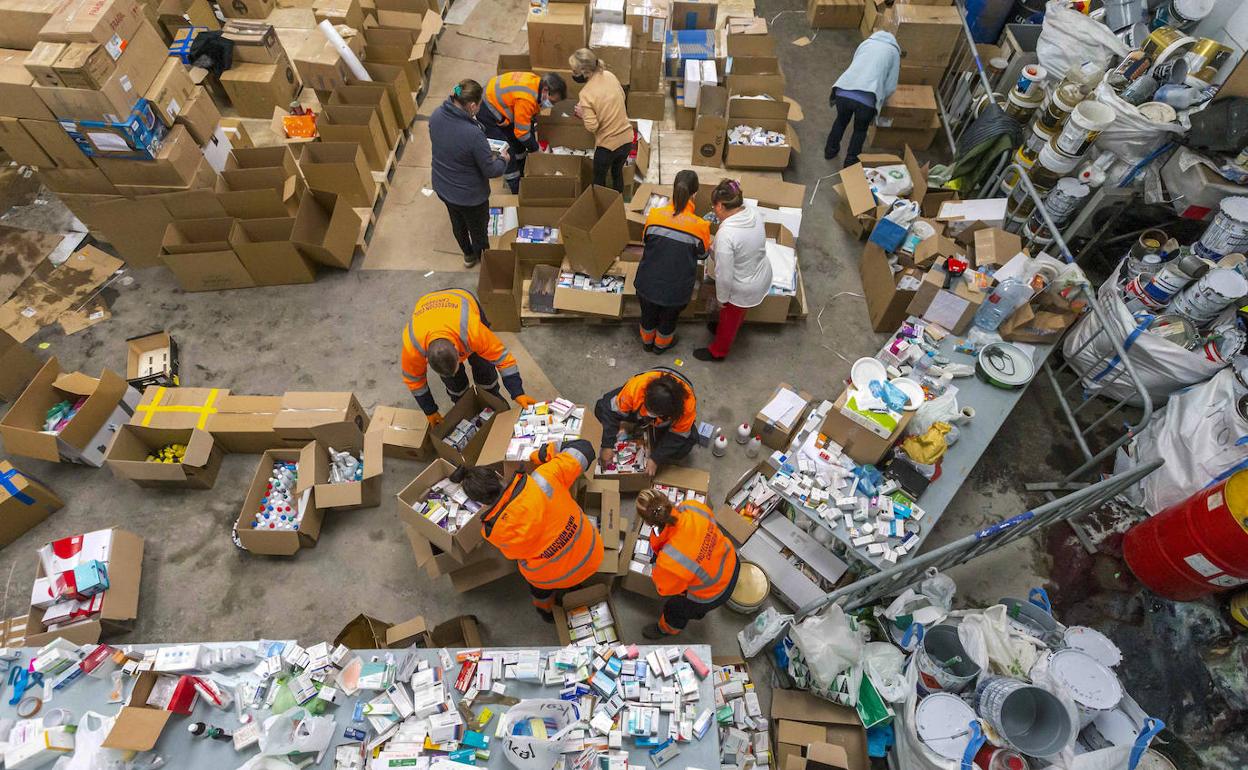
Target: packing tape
{"points": [[29, 706], [154, 407], [7, 484]]}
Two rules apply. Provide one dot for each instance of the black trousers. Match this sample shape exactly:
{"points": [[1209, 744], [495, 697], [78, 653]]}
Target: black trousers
{"points": [[658, 323], [611, 161], [471, 226], [679, 610], [846, 110], [483, 374], [544, 598]]}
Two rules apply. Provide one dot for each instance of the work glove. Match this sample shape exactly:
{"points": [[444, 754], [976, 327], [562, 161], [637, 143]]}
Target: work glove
{"points": [[434, 419], [523, 400]]}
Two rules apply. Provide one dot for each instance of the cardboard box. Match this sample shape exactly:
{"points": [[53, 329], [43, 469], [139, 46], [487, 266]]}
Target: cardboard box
{"points": [[399, 88], [404, 432], [276, 542], [40, 60], [739, 527], [840, 725], [645, 71], [927, 34], [581, 597], [368, 633], [600, 500], [458, 544], [860, 439], [17, 94], [646, 104], [396, 48], [326, 229], [173, 15], [594, 231], [494, 450], [301, 411], [694, 14], [244, 424], [201, 257], [138, 726], [556, 32], [897, 138], [269, 192], [339, 167], [320, 65], [22, 21], [80, 440], [953, 308], [594, 303], [336, 12], [910, 106], [171, 91], [777, 308], [770, 115], [134, 228], [499, 289], [676, 476], [176, 163], [437, 562], [152, 359], [200, 116], [922, 74], [348, 495], [255, 89], [83, 65], [613, 43], [249, 9], [834, 14], [888, 295], [469, 405], [650, 22], [746, 36], [177, 408], [265, 249], [96, 21], [114, 100], [24, 502], [18, 365], [21, 146], [856, 209], [777, 432], [710, 127], [121, 601], [198, 469], [255, 42], [347, 123], [994, 247]]}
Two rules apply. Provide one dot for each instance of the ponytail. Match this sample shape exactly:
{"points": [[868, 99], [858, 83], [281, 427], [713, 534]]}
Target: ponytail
{"points": [[683, 188]]}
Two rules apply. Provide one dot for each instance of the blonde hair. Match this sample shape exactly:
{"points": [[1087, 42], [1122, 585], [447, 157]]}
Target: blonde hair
{"points": [[584, 62], [654, 508]]}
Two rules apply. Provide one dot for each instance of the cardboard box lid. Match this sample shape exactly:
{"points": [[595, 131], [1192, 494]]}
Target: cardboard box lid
{"points": [[798, 733], [686, 478], [402, 427], [911, 97], [594, 230], [137, 728], [304, 409], [798, 705], [821, 756]]}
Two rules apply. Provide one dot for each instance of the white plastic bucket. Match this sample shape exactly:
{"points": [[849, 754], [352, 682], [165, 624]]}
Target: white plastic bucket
{"points": [[1205, 300], [944, 665], [1228, 232], [1091, 684], [1086, 123]]}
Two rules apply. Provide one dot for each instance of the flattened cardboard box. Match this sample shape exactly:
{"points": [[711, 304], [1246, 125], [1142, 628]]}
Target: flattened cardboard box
{"points": [[197, 470], [404, 432], [275, 542], [24, 502]]}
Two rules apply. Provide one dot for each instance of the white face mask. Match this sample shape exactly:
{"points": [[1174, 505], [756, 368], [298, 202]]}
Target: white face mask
{"points": [[547, 103]]}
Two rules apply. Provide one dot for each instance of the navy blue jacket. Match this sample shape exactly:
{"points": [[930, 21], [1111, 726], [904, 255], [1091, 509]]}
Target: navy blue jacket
{"points": [[463, 163]]}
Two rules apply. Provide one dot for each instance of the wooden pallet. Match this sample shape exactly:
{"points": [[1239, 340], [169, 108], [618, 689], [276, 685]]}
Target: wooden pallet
{"points": [[369, 214]]}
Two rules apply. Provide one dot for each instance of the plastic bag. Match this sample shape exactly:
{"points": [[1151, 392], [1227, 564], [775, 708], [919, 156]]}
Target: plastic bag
{"points": [[1133, 136], [529, 752], [1069, 38], [1200, 435], [943, 408], [831, 642], [885, 664], [295, 732], [89, 752], [939, 588], [766, 626], [928, 447], [889, 182], [890, 232], [1005, 652]]}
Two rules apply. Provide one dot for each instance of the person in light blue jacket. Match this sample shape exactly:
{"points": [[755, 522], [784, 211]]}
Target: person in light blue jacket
{"points": [[861, 90]]}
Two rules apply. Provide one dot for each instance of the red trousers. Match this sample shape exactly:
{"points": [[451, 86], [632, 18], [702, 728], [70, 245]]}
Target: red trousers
{"points": [[730, 318]]}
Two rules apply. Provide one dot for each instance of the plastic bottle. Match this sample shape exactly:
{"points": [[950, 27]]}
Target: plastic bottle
{"points": [[1005, 298], [743, 433], [720, 446], [752, 449]]}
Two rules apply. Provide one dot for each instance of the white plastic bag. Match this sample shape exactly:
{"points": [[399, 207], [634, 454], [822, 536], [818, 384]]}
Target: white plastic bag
{"points": [[885, 665], [295, 732], [1007, 652], [943, 408], [1201, 437], [831, 643], [1069, 38], [889, 182], [764, 629], [1163, 367], [528, 752], [89, 752], [1133, 136]]}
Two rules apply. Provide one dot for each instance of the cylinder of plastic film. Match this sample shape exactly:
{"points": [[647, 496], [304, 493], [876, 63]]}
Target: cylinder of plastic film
{"points": [[340, 45]]}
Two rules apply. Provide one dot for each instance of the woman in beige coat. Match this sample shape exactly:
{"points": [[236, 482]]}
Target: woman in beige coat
{"points": [[601, 108]]}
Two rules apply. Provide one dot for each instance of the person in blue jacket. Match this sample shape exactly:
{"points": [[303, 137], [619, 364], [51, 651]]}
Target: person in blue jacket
{"points": [[463, 164], [861, 90]]}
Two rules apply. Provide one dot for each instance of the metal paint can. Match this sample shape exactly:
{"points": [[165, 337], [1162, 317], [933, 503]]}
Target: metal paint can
{"points": [[1164, 42], [1029, 719], [1052, 165], [1092, 685], [943, 663], [751, 590], [1057, 107], [1031, 82], [1182, 14], [1065, 198], [1228, 232], [942, 722], [1205, 299], [1085, 124], [1133, 66], [1226, 342]]}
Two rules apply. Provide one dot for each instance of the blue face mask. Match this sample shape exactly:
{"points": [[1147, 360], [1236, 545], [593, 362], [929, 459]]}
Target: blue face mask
{"points": [[547, 103]]}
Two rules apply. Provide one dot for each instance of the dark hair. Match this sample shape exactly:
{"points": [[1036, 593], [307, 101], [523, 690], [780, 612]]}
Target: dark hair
{"points": [[443, 357], [654, 508], [665, 397], [482, 485], [684, 188], [467, 92], [554, 83], [728, 192]]}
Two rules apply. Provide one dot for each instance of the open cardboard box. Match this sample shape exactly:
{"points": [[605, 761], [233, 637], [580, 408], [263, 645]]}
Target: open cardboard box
{"points": [[777, 308], [347, 495], [860, 438], [17, 366], [199, 252], [952, 308], [625, 482], [257, 193], [138, 725], [771, 115], [456, 544], [583, 597], [675, 476], [28, 503], [594, 231], [152, 359], [109, 401], [839, 727], [197, 470], [244, 424], [404, 432], [737, 526], [273, 542], [597, 303], [994, 247], [468, 406], [121, 601], [494, 450], [499, 289], [600, 500], [364, 632], [777, 434], [888, 294], [301, 411], [437, 562]]}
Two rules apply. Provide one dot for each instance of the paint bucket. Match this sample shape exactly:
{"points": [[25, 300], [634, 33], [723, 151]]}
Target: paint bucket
{"points": [[1164, 42], [944, 665], [1029, 619], [751, 590], [1152, 760], [1051, 166], [1029, 719], [1036, 233], [942, 722], [1065, 198], [993, 758], [1091, 642], [1206, 54], [1020, 107], [1133, 66], [1057, 107], [1205, 299], [1159, 112], [1174, 328], [1085, 124], [1013, 224], [1226, 342], [1182, 14], [1239, 608], [1021, 204], [1171, 278], [1228, 232], [1030, 83], [1091, 684]]}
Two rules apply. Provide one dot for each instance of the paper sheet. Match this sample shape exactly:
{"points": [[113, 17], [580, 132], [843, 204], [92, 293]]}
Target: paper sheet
{"points": [[946, 309], [785, 407]]}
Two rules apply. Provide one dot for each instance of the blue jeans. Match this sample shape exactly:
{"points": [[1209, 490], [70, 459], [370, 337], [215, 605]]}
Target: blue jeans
{"points": [[847, 109]]}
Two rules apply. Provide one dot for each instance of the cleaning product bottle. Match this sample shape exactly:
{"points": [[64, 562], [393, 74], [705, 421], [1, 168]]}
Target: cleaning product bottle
{"points": [[1006, 297]]}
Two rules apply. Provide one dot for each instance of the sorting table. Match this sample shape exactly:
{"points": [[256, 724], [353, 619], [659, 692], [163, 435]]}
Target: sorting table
{"points": [[183, 751], [992, 407]]}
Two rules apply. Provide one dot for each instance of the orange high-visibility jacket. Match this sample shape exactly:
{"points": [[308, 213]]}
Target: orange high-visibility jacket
{"points": [[452, 314], [628, 404], [693, 556], [516, 97], [538, 524]]}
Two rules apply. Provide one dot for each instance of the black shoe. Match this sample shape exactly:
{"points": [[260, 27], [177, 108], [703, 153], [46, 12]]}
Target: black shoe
{"points": [[712, 326], [704, 354], [660, 351], [830, 154], [653, 631], [549, 617], [849, 162], [648, 347], [471, 260]]}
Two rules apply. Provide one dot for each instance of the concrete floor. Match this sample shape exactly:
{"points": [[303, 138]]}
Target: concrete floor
{"points": [[342, 333]]}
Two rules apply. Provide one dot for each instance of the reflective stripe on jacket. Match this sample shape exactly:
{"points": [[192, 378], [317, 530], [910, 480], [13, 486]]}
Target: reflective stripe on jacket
{"points": [[515, 98], [694, 556], [451, 314], [537, 523], [628, 404], [674, 244]]}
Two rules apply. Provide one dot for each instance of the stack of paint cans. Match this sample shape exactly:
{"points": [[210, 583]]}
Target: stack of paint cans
{"points": [[1028, 93]]}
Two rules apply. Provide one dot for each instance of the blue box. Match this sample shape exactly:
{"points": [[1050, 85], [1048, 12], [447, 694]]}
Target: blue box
{"points": [[91, 578], [138, 137], [687, 45]]}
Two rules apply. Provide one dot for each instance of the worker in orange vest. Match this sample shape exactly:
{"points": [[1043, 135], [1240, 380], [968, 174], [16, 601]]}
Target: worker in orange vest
{"points": [[661, 403], [694, 561], [533, 520], [512, 102], [447, 329]]}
